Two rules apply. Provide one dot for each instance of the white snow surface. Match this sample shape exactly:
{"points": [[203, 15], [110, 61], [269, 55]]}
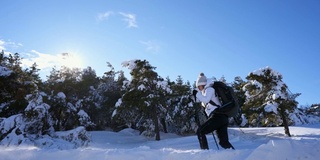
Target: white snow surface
{"points": [[250, 143]]}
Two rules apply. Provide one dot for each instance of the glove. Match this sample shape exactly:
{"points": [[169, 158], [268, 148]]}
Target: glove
{"points": [[217, 110], [194, 92]]}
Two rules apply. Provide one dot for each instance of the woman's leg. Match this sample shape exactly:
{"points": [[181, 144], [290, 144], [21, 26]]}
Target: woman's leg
{"points": [[201, 133], [214, 122], [222, 133]]}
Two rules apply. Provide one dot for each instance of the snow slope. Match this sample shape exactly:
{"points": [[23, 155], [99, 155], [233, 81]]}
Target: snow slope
{"points": [[250, 143]]}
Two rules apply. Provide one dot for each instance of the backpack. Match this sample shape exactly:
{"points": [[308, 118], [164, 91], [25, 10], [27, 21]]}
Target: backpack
{"points": [[229, 102]]}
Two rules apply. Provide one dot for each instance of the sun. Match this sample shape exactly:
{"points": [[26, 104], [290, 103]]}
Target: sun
{"points": [[71, 60]]}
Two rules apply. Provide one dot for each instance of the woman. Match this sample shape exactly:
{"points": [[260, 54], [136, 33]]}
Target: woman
{"points": [[216, 121]]}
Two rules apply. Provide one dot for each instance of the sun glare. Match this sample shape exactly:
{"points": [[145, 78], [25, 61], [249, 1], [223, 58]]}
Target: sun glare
{"points": [[71, 60]]}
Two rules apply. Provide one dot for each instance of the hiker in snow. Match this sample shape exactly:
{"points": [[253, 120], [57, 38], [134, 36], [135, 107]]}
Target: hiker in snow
{"points": [[216, 121]]}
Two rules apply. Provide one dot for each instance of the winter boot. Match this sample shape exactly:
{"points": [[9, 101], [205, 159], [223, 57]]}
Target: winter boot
{"points": [[203, 141]]}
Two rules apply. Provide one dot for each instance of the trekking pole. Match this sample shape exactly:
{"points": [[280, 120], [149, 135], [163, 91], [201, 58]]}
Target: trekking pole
{"points": [[214, 137], [241, 130], [212, 131]]}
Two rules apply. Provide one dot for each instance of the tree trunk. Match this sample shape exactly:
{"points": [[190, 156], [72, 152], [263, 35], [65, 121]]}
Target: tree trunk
{"points": [[156, 123], [285, 122]]}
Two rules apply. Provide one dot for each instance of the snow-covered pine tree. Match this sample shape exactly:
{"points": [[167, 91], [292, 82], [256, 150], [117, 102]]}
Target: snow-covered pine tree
{"points": [[183, 116], [37, 118], [268, 102], [15, 84], [106, 95], [87, 105], [314, 109], [68, 98], [237, 86], [144, 100]]}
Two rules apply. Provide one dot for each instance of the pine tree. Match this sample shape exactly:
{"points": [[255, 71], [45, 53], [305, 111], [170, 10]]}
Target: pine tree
{"points": [[237, 85], [183, 113], [37, 118], [268, 102], [144, 99], [105, 96], [86, 88], [16, 84], [67, 96]]}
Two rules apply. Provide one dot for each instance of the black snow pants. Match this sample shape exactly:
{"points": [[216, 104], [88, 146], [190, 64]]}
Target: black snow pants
{"points": [[216, 122]]}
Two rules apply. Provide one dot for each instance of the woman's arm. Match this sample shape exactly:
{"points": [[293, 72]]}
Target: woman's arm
{"points": [[206, 97]]}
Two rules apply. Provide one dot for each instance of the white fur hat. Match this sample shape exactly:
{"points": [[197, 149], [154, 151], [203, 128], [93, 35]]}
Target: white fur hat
{"points": [[202, 80]]}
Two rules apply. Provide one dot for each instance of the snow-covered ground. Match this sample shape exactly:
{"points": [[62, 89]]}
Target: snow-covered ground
{"points": [[250, 143]]}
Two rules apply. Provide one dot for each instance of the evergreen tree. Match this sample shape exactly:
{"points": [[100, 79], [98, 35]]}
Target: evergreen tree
{"points": [[15, 84], [239, 92], [314, 109], [37, 117], [68, 98], [223, 79], [268, 101], [237, 86], [86, 87], [144, 100], [105, 96], [183, 114]]}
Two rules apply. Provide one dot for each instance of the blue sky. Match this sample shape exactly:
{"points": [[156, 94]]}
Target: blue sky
{"points": [[220, 38]]}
